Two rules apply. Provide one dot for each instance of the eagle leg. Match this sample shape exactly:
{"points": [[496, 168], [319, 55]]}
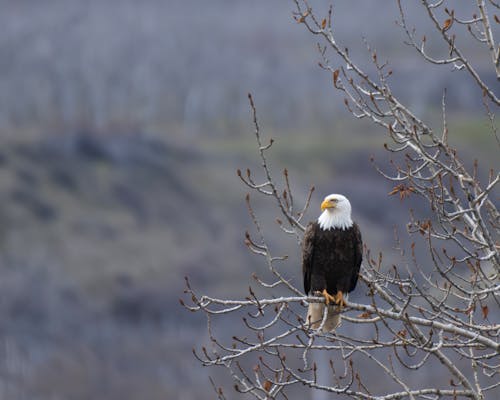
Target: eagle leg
{"points": [[328, 297], [339, 299]]}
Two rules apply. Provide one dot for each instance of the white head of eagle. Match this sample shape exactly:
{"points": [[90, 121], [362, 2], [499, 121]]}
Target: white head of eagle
{"points": [[336, 213]]}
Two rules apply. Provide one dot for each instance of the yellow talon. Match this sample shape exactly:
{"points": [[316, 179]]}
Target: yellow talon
{"points": [[328, 297], [339, 299]]}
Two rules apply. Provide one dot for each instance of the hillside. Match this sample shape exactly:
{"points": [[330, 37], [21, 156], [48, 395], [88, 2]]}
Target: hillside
{"points": [[98, 233]]}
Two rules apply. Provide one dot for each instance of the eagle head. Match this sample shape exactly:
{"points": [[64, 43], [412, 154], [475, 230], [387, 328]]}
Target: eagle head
{"points": [[336, 212]]}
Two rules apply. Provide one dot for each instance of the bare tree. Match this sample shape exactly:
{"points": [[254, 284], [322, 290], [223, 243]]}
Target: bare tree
{"points": [[441, 316]]}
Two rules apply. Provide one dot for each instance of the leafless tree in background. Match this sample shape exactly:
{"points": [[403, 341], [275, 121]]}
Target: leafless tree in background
{"points": [[441, 315]]}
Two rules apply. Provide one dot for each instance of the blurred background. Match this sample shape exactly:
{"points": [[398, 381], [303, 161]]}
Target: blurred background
{"points": [[122, 124]]}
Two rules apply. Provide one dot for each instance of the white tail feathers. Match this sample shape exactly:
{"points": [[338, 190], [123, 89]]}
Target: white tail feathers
{"points": [[315, 317]]}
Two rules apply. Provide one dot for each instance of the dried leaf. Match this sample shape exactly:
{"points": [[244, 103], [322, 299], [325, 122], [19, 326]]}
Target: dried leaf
{"points": [[447, 24], [404, 191], [425, 226], [497, 20], [335, 77], [365, 315], [267, 385], [395, 190], [302, 18], [323, 24], [485, 311]]}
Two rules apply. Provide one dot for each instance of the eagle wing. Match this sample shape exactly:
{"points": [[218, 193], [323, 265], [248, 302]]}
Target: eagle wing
{"points": [[358, 256], [308, 254]]}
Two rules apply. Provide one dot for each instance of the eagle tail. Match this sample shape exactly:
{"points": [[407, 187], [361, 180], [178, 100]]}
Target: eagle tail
{"points": [[315, 317]]}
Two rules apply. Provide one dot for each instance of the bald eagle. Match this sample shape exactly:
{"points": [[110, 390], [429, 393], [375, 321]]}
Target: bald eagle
{"points": [[332, 251]]}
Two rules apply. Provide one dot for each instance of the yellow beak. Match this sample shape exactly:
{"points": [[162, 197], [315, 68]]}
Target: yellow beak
{"points": [[327, 204]]}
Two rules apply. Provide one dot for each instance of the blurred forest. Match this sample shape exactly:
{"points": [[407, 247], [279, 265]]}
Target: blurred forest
{"points": [[122, 124]]}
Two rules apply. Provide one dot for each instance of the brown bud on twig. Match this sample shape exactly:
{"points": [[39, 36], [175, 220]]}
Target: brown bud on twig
{"points": [[447, 24], [335, 77]]}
